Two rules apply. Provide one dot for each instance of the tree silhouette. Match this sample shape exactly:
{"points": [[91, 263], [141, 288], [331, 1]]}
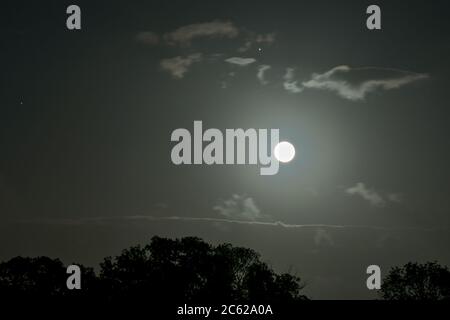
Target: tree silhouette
{"points": [[414, 281], [190, 270], [31, 276], [42, 278], [165, 271]]}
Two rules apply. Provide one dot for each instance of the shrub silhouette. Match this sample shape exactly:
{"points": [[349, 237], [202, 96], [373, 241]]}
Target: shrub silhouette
{"points": [[414, 281]]}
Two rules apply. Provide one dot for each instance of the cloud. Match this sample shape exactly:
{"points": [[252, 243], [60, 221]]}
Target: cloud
{"points": [[322, 236], [267, 39], [261, 71], [186, 35], [247, 45], [376, 199], [183, 36], [368, 79], [240, 61], [281, 224], [239, 207], [179, 65], [289, 83], [148, 37], [367, 194], [215, 29]]}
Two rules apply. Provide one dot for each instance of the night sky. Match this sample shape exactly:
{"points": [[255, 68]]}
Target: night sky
{"points": [[86, 118]]}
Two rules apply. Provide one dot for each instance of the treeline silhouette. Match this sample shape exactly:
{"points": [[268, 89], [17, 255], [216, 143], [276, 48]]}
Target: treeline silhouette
{"points": [[191, 271], [186, 270]]}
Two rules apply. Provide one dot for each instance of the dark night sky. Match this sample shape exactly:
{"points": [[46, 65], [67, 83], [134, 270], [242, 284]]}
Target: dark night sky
{"points": [[86, 118]]}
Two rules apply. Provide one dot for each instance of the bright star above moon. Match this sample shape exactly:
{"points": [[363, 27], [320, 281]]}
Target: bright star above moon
{"points": [[284, 151]]}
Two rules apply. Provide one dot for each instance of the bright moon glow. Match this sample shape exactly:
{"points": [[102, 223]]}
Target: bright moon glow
{"points": [[284, 151]]}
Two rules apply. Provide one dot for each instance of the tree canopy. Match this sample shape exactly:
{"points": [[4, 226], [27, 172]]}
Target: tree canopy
{"points": [[189, 270], [183, 270], [414, 281]]}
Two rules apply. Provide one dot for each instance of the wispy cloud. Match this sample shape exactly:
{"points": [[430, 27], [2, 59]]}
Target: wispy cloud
{"points": [[179, 65], [289, 83], [374, 198], [261, 72], [121, 219], [338, 79], [239, 207], [370, 195], [185, 35], [265, 39], [240, 61], [215, 29]]}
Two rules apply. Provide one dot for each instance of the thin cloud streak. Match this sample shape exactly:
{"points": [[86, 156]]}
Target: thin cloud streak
{"points": [[261, 73], [240, 61], [215, 29], [104, 220], [336, 80]]}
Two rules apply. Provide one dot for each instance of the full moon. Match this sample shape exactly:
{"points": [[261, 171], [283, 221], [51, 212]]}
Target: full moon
{"points": [[284, 151]]}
